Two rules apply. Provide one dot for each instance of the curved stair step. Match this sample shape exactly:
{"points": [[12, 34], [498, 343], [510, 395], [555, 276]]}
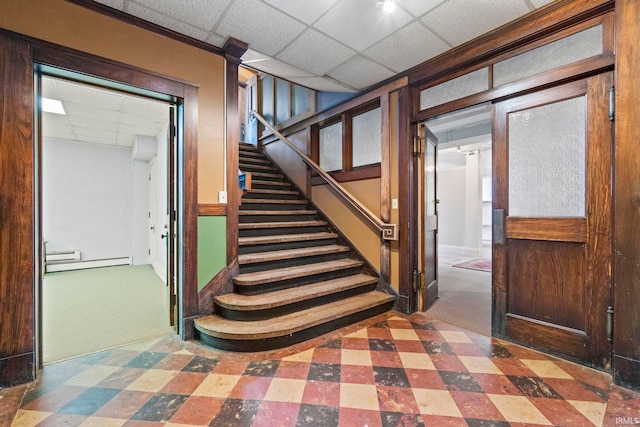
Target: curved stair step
{"points": [[260, 278], [258, 257], [283, 224], [291, 328], [284, 297], [285, 238]]}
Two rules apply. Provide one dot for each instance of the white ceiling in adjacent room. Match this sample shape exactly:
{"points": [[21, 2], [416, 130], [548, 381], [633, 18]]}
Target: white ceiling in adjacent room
{"points": [[98, 116], [332, 45]]}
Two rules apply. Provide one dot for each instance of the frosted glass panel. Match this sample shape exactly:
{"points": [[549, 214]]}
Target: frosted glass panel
{"points": [[283, 101], [267, 98], [547, 160], [465, 85], [367, 138], [331, 147], [300, 100], [576, 47]]}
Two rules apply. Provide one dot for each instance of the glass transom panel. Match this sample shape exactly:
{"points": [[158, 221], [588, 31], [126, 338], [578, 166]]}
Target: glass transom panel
{"points": [[547, 160], [465, 85], [331, 147], [367, 140], [568, 50]]}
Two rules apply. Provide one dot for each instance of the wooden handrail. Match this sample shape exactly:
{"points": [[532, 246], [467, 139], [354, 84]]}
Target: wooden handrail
{"points": [[388, 231]]}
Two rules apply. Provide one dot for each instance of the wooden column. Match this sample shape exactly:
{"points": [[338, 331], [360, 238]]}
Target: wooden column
{"points": [[626, 338], [233, 49], [17, 218]]}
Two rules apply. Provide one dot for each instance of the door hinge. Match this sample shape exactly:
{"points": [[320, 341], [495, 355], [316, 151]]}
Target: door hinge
{"points": [[418, 280], [418, 145], [612, 103], [610, 323], [173, 299]]}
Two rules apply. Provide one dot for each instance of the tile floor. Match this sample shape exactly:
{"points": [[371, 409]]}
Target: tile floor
{"points": [[390, 370]]}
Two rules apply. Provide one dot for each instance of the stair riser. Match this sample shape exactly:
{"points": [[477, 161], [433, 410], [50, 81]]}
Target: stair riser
{"points": [[249, 315], [276, 218], [251, 195], [248, 206], [245, 344], [292, 262], [250, 249], [279, 231], [295, 282], [265, 176], [257, 168]]}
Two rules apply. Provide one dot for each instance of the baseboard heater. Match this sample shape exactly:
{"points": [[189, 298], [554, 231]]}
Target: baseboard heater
{"points": [[64, 265]]}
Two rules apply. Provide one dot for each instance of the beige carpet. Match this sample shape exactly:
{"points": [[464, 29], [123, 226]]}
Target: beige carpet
{"points": [[86, 311]]}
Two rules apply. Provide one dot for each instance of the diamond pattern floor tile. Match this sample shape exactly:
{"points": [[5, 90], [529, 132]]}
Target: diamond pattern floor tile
{"points": [[391, 370]]}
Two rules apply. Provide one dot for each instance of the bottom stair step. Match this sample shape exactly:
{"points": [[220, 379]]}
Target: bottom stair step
{"points": [[292, 328]]}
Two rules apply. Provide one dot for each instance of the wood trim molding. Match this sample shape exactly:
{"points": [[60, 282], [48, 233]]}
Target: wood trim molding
{"points": [[554, 229], [211, 209], [220, 284], [149, 26]]}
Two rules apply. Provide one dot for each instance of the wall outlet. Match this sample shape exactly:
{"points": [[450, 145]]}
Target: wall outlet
{"points": [[394, 203], [222, 197]]}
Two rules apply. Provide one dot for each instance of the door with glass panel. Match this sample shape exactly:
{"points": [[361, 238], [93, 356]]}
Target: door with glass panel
{"points": [[552, 220], [428, 248]]}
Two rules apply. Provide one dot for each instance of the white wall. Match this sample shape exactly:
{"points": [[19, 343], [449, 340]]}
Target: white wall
{"points": [[87, 199], [139, 210], [452, 192]]}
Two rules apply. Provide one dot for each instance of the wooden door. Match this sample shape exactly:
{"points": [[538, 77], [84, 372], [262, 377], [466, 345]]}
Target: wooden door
{"points": [[172, 220], [428, 250], [552, 220]]}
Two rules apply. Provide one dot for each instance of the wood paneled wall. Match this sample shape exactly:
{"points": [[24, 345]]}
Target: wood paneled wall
{"points": [[17, 216], [626, 336]]}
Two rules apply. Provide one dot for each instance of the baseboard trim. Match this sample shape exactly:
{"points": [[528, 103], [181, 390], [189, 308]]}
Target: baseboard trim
{"points": [[16, 370], [626, 372], [461, 250], [81, 265]]}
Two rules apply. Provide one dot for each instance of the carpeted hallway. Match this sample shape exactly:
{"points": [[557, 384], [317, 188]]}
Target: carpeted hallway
{"points": [[86, 311]]}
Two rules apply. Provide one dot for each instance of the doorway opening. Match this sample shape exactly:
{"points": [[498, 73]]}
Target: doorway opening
{"points": [[104, 197], [464, 206]]}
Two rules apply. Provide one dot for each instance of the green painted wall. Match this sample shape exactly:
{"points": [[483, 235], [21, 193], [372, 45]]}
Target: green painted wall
{"points": [[212, 247]]}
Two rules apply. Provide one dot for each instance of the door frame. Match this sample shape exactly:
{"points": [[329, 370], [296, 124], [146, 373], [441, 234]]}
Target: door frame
{"points": [[90, 69]]}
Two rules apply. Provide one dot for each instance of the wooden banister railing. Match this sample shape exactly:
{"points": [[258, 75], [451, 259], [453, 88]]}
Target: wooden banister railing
{"points": [[388, 231]]}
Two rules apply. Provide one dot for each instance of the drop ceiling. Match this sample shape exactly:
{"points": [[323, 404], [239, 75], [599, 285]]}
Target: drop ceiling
{"points": [[99, 116], [332, 45]]}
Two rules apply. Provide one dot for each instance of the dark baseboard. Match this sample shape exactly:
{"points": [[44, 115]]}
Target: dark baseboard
{"points": [[16, 370], [626, 372]]}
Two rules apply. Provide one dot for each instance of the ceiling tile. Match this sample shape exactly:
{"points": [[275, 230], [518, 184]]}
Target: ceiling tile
{"points": [[360, 23], [306, 11], [126, 139], [350, 72], [418, 7], [146, 107], [93, 123], [116, 4], [82, 133], [540, 3], [78, 94], [263, 27], [315, 52], [50, 89], [410, 46], [86, 110], [321, 84], [216, 39], [198, 13], [472, 18], [138, 130], [269, 65], [166, 21]]}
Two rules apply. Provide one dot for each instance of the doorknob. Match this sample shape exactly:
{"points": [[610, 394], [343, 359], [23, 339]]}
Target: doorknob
{"points": [[163, 235]]}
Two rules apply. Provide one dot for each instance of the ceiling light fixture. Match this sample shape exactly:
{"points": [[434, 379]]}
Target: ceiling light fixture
{"points": [[389, 6], [52, 106]]}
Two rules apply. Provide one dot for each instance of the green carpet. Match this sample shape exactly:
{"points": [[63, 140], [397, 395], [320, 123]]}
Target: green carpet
{"points": [[86, 311]]}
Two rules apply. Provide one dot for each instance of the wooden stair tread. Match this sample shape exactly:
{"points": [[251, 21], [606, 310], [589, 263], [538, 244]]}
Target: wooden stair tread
{"points": [[244, 166], [267, 175], [283, 224], [276, 275], [282, 192], [293, 295], [254, 160], [283, 238], [271, 212], [284, 325], [253, 258], [276, 201], [278, 183]]}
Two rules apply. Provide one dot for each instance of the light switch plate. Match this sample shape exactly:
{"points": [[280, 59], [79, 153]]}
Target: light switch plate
{"points": [[222, 197], [394, 203]]}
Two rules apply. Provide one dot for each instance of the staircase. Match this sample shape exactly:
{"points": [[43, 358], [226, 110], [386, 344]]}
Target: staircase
{"points": [[297, 278]]}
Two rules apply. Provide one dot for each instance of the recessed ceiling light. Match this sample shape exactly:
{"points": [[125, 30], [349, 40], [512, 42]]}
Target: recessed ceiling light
{"points": [[389, 6], [52, 106]]}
